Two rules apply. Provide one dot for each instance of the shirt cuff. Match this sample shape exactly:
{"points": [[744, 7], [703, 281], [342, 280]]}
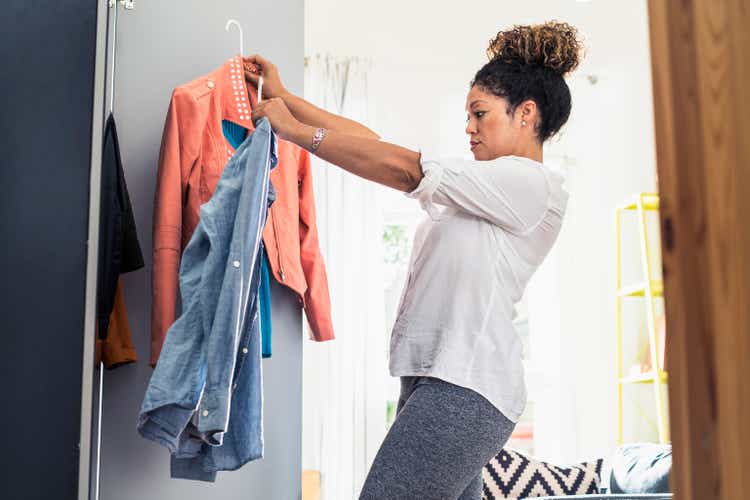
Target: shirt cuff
{"points": [[211, 418], [432, 172]]}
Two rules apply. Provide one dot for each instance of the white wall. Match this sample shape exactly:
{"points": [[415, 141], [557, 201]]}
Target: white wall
{"points": [[425, 53]]}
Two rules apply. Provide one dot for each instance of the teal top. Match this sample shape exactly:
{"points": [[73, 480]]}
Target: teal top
{"points": [[236, 134]]}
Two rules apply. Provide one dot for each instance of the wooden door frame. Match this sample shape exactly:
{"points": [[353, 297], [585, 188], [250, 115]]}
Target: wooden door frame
{"points": [[700, 52]]}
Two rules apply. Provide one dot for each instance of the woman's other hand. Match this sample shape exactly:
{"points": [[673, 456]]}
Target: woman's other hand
{"points": [[256, 66], [295, 107], [282, 121]]}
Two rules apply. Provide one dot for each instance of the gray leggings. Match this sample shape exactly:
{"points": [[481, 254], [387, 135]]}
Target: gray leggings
{"points": [[435, 450]]}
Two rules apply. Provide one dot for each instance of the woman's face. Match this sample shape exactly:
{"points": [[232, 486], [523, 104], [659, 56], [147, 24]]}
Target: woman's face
{"points": [[492, 131]]}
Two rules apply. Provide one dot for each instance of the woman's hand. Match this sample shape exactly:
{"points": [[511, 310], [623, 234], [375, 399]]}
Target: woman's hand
{"points": [[256, 66], [305, 113], [282, 121]]}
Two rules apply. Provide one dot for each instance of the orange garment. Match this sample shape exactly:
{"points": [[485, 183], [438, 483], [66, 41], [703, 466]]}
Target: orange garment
{"points": [[193, 154], [117, 349]]}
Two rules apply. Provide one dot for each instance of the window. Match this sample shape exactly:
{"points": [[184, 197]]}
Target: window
{"points": [[522, 438], [397, 237]]}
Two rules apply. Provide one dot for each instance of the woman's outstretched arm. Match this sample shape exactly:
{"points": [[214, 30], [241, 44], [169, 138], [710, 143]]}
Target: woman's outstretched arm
{"points": [[372, 159], [302, 110], [369, 158]]}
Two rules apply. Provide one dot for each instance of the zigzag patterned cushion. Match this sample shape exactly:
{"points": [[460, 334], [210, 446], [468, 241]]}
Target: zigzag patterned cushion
{"points": [[513, 475]]}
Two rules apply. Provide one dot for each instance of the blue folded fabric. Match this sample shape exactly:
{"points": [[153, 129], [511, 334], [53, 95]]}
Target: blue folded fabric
{"points": [[641, 468]]}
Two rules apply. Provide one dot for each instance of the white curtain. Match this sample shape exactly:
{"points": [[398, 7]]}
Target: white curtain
{"points": [[344, 380]]}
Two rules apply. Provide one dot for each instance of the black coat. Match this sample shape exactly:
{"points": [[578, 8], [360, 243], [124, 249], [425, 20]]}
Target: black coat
{"points": [[119, 250]]}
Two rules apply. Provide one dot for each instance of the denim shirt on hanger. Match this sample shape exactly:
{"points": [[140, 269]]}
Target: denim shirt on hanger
{"points": [[235, 134], [204, 399]]}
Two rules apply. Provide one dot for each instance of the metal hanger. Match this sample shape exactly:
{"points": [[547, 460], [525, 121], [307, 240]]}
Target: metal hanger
{"points": [[128, 4]]}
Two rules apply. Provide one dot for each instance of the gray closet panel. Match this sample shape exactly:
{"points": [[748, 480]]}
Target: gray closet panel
{"points": [[162, 44]]}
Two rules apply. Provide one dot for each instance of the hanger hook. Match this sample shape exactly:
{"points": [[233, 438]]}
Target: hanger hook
{"points": [[234, 22]]}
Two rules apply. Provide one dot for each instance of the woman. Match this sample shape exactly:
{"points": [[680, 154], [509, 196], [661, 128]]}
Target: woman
{"points": [[453, 343]]}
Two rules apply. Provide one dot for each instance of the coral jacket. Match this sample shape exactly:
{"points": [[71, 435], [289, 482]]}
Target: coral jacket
{"points": [[193, 154]]}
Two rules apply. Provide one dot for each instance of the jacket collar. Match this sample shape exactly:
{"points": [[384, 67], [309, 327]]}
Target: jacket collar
{"points": [[235, 105]]}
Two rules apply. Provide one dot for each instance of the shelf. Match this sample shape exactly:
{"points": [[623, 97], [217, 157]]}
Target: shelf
{"points": [[644, 378], [639, 289], [650, 202], [648, 288]]}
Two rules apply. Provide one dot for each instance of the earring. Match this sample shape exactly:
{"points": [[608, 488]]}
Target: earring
{"points": [[523, 123]]}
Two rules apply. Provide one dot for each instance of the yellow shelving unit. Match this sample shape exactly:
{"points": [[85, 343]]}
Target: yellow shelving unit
{"points": [[648, 289]]}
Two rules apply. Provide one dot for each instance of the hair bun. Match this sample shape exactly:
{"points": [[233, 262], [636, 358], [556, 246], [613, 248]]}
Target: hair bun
{"points": [[553, 45]]}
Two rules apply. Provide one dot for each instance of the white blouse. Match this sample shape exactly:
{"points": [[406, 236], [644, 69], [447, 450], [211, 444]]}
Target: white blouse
{"points": [[470, 263]]}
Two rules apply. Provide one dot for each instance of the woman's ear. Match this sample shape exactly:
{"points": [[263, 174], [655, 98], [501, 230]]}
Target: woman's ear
{"points": [[528, 111]]}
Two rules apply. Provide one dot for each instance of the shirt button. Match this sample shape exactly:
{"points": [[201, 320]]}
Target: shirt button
{"points": [[244, 350], [210, 84], [205, 413], [236, 263]]}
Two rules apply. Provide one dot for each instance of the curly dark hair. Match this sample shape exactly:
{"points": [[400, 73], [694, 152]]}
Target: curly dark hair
{"points": [[531, 62]]}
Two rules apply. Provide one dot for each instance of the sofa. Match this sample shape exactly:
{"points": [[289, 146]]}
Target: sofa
{"points": [[632, 471]]}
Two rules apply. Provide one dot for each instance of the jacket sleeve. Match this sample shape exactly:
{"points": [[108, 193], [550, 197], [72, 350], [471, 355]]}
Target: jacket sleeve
{"points": [[317, 298], [506, 192], [178, 152]]}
